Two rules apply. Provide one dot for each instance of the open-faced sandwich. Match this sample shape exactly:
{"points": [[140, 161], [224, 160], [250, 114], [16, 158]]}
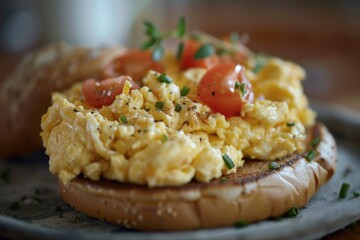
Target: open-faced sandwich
{"points": [[207, 135]]}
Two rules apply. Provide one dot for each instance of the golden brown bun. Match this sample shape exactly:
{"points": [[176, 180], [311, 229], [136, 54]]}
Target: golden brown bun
{"points": [[254, 193], [26, 93]]}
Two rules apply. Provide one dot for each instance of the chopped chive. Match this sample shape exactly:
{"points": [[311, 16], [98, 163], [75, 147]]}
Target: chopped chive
{"points": [[14, 206], [290, 124], [242, 89], [204, 51], [222, 51], [164, 138], [148, 44], [228, 161], [151, 30], [344, 190], [315, 141], [293, 212], [184, 91], [181, 27], [240, 224], [356, 194], [75, 220], [123, 119], [273, 165], [163, 78], [179, 51], [223, 179], [237, 85], [310, 155], [159, 105], [178, 107]]}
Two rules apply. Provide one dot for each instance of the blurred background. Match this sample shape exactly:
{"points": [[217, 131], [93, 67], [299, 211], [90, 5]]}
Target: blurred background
{"points": [[322, 36]]}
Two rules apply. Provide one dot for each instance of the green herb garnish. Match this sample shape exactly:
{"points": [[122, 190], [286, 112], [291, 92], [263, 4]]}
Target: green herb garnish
{"points": [[310, 155], [237, 85], [151, 30], [179, 51], [344, 190], [184, 91], [123, 119], [356, 194], [223, 179], [273, 165], [181, 27], [293, 212], [156, 38], [159, 105], [228, 161], [315, 141], [164, 138], [178, 107], [163, 78], [204, 51], [242, 89], [290, 124], [75, 220], [240, 224]]}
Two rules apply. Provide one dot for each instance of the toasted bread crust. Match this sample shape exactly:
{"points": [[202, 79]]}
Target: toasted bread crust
{"points": [[26, 93], [252, 194]]}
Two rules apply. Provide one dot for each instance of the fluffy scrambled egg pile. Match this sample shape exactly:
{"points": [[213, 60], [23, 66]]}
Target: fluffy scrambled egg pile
{"points": [[168, 145]]}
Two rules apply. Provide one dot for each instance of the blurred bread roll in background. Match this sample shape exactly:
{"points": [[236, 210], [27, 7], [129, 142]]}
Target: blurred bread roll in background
{"points": [[25, 94]]}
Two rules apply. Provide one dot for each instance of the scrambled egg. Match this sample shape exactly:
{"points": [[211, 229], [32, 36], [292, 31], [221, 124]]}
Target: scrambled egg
{"points": [[165, 147]]}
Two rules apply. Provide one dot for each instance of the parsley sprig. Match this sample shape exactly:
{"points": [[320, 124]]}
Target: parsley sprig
{"points": [[156, 38]]}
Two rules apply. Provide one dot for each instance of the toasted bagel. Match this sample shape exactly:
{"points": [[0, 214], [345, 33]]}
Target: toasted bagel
{"points": [[252, 194]]}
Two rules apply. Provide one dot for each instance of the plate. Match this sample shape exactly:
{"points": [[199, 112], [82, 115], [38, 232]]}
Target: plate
{"points": [[31, 207]]}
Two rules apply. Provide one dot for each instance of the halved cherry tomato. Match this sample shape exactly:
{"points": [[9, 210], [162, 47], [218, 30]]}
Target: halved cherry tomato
{"points": [[100, 93], [219, 90], [135, 63], [188, 60]]}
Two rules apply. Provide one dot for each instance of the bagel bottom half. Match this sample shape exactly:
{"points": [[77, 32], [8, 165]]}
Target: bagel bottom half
{"points": [[253, 193]]}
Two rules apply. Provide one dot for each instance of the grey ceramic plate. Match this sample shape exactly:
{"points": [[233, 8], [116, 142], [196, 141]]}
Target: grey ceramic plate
{"points": [[30, 205]]}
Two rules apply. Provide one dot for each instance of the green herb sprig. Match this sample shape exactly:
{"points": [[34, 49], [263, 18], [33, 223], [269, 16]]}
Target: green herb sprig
{"points": [[344, 190], [228, 161], [156, 38]]}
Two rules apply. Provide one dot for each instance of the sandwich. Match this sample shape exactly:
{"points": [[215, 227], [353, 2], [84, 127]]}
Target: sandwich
{"points": [[205, 135]]}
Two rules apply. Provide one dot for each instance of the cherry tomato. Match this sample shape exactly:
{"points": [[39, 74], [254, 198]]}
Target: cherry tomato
{"points": [[220, 88], [100, 93], [188, 60], [135, 63]]}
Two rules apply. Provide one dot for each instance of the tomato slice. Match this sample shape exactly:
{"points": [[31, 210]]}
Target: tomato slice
{"points": [[103, 93], [219, 90], [188, 60], [135, 63]]}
